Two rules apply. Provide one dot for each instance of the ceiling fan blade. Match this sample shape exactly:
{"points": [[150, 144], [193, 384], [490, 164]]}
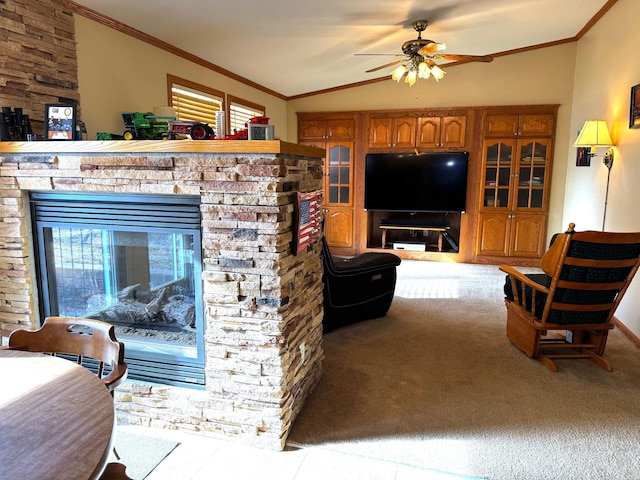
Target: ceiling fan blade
{"points": [[379, 54], [384, 66], [463, 58]]}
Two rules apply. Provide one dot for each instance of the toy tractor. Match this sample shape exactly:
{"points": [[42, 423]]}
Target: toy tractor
{"points": [[197, 130], [147, 126], [144, 125]]}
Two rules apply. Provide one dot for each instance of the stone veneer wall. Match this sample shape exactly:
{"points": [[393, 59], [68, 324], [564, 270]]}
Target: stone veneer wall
{"points": [[261, 301], [38, 60]]}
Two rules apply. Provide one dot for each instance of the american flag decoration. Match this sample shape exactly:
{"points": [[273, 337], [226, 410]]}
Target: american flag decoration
{"points": [[308, 218]]}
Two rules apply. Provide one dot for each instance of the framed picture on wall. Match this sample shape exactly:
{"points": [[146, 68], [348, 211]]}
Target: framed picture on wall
{"points": [[583, 159], [634, 111], [59, 121]]}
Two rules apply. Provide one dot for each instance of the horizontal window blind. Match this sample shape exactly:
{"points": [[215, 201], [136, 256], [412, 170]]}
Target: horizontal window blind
{"points": [[239, 115], [195, 106]]}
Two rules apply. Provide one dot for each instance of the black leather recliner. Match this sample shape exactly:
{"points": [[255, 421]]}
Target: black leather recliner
{"points": [[357, 288]]}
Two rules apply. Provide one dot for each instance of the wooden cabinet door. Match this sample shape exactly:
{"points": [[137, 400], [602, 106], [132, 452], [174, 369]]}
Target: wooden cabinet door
{"points": [[501, 125], [493, 234], [312, 129], [510, 125], [380, 132], [532, 174], [497, 171], [404, 133], [516, 235], [453, 131], [448, 131], [338, 227], [528, 235], [428, 132], [536, 125], [338, 174], [341, 129]]}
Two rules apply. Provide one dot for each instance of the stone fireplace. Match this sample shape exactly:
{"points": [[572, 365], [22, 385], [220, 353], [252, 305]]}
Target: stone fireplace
{"points": [[261, 304], [132, 260]]}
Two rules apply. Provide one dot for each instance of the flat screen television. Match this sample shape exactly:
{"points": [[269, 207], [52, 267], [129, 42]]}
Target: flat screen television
{"points": [[409, 182]]}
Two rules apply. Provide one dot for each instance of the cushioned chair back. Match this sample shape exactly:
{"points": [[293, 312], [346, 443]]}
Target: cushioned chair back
{"points": [[589, 273]]}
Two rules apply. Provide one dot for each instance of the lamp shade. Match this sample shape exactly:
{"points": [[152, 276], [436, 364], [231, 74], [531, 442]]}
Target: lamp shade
{"points": [[594, 133]]}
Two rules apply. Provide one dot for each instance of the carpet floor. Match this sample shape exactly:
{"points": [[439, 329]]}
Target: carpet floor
{"points": [[437, 384]]}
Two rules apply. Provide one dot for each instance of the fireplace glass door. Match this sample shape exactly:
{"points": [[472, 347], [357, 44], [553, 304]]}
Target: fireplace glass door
{"points": [[128, 263]]}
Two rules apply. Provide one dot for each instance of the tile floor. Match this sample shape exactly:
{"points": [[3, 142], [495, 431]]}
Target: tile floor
{"points": [[203, 458]]}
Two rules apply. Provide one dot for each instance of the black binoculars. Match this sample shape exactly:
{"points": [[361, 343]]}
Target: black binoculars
{"points": [[14, 125]]}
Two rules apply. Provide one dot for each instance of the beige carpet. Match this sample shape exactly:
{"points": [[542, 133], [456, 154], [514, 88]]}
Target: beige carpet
{"points": [[437, 384]]}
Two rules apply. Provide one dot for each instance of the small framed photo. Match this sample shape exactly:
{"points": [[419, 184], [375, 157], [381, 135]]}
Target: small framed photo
{"points": [[583, 159], [59, 121], [634, 111]]}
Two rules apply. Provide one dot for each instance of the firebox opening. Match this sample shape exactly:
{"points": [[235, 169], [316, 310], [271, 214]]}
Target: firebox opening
{"points": [[131, 260]]}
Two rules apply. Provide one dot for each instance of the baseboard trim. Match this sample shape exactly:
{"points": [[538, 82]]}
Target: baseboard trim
{"points": [[630, 335]]}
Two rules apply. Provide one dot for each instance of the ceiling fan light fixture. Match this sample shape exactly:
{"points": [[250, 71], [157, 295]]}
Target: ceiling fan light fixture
{"points": [[423, 70], [412, 76], [420, 56], [398, 73], [437, 72]]}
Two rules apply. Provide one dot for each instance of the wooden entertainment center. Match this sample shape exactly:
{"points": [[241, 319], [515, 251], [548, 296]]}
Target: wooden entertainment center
{"points": [[509, 179], [412, 226]]}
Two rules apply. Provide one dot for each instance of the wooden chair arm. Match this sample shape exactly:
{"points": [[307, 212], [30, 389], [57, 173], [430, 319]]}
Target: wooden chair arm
{"points": [[116, 376], [515, 274], [520, 297]]}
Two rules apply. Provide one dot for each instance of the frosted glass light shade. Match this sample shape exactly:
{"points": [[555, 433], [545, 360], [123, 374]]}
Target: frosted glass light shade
{"points": [[398, 73]]}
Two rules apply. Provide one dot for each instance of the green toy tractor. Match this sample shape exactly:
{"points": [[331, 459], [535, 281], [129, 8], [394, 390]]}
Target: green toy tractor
{"points": [[145, 126]]}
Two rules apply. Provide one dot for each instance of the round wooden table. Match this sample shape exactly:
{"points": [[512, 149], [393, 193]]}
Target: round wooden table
{"points": [[56, 419]]}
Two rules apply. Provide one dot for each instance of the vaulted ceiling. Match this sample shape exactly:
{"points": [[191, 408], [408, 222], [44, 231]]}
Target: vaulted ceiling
{"points": [[293, 47]]}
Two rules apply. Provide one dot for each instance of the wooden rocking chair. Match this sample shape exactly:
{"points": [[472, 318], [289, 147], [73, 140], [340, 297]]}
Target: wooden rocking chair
{"points": [[566, 312]]}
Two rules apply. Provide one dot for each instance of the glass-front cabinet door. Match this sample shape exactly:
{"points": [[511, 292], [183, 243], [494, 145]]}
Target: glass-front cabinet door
{"points": [[338, 191], [338, 173], [498, 171], [515, 174], [532, 174]]}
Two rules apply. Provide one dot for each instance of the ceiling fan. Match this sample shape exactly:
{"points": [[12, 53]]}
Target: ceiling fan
{"points": [[420, 56]]}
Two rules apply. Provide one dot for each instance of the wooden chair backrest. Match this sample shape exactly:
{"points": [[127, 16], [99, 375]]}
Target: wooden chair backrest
{"points": [[78, 337], [590, 272]]}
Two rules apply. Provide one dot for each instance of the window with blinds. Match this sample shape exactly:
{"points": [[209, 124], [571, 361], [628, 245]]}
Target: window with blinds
{"points": [[241, 111], [199, 103], [193, 102]]}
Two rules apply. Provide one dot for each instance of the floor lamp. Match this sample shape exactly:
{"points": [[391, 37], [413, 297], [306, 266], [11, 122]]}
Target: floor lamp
{"points": [[594, 133]]}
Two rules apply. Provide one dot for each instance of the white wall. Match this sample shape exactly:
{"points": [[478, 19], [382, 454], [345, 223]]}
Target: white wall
{"points": [[118, 73], [606, 68]]}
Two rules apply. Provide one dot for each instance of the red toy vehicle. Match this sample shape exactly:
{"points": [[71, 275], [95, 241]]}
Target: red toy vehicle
{"points": [[244, 133], [197, 130]]}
